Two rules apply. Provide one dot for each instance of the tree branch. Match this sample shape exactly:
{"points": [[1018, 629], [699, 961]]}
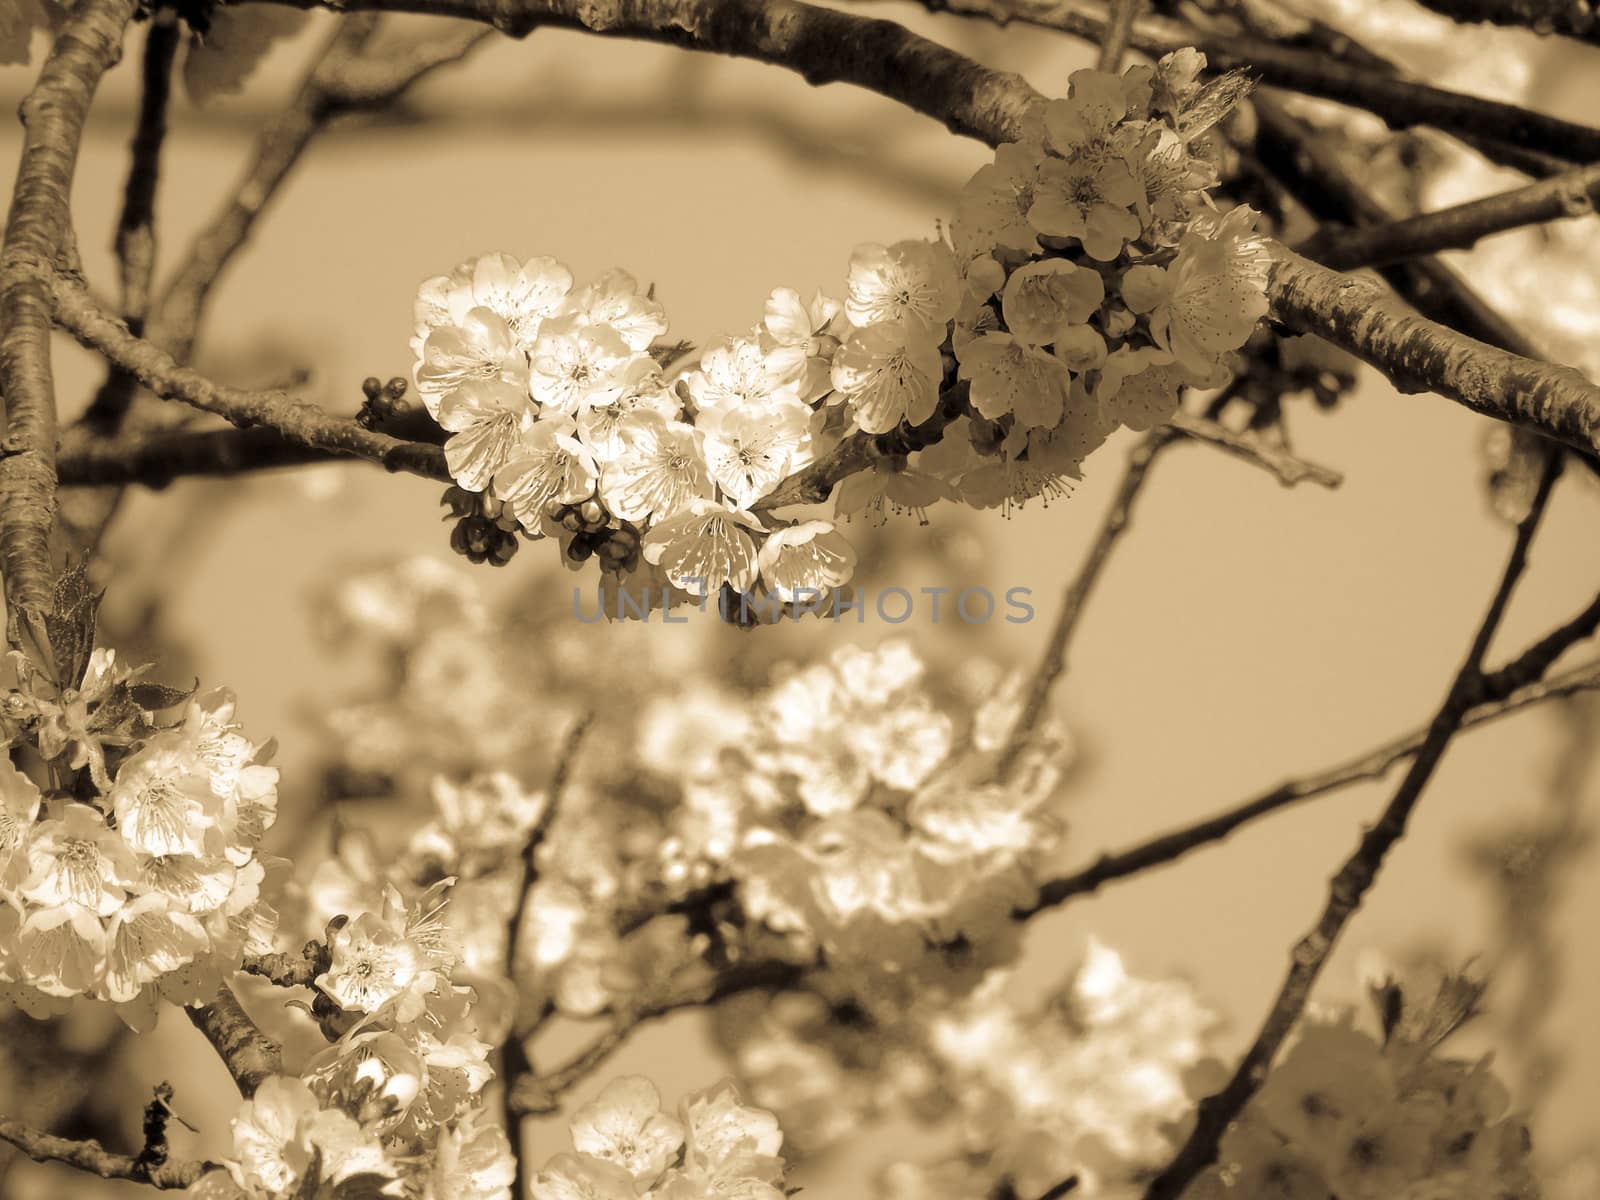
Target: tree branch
{"points": [[1459, 227], [1374, 764], [822, 44], [135, 242], [1289, 469], [1574, 18], [37, 229], [1053, 663], [92, 1157], [1417, 355], [250, 1055], [294, 420], [515, 1066], [1351, 884]]}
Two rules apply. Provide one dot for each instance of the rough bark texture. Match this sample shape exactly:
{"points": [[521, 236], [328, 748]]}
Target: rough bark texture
{"points": [[1417, 355], [37, 230]]}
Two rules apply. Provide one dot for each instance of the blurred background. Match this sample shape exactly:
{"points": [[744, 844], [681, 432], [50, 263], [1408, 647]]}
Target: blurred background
{"points": [[1245, 633]]}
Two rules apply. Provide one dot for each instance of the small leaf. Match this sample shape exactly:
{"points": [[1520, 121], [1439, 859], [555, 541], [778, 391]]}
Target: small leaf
{"points": [[1215, 100], [158, 696], [70, 623]]}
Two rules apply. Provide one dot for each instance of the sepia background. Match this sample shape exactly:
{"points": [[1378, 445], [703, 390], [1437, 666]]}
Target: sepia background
{"points": [[1244, 634]]}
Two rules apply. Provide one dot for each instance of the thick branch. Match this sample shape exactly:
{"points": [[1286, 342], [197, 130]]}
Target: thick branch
{"points": [[1574, 18], [1374, 764], [1351, 884], [1417, 355], [822, 44], [92, 1157], [37, 229], [250, 1055], [294, 420]]}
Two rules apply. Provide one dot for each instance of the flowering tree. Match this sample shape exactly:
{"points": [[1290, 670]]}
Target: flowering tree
{"points": [[837, 862]]}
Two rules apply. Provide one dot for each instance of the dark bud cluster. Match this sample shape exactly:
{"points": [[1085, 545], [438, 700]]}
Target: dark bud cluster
{"points": [[485, 530]]}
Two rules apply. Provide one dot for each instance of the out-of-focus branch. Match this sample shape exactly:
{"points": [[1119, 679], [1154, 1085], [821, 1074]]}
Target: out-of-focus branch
{"points": [[94, 1158], [294, 420], [535, 1095], [1459, 227], [1053, 662], [346, 76], [1374, 764], [1354, 879], [515, 1066], [38, 228], [1574, 18], [135, 242], [250, 1055]]}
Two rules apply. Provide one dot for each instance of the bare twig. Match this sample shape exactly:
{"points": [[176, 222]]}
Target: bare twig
{"points": [[37, 230], [1114, 42], [94, 1158], [1459, 227], [135, 242], [1374, 764], [294, 420], [1351, 884], [250, 1055], [1289, 469], [542, 1094], [515, 1064], [1054, 660]]}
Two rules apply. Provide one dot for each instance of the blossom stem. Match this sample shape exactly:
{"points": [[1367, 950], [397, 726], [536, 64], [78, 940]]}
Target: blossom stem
{"points": [[1356, 876], [1289, 469], [38, 229], [92, 1157]]}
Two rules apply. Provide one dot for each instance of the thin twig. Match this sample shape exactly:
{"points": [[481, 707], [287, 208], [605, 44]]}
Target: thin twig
{"points": [[295, 420], [1053, 663], [1374, 764], [515, 1064], [94, 1158], [542, 1094], [1574, 18], [1351, 884], [135, 242], [37, 230], [1289, 469], [1459, 227], [299, 969]]}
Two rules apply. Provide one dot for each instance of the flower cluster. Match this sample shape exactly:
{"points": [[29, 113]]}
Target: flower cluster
{"points": [[1088, 280], [859, 816], [1347, 1115], [627, 1148], [134, 876], [298, 1138]]}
